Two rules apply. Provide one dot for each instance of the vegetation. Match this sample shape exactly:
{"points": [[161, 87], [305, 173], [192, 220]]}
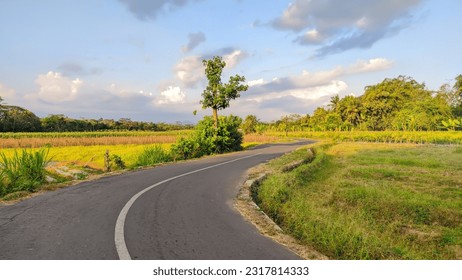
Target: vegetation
{"points": [[14, 119], [24, 171], [208, 140], [218, 95], [397, 104], [372, 201], [55, 139], [17, 119], [153, 155], [418, 137]]}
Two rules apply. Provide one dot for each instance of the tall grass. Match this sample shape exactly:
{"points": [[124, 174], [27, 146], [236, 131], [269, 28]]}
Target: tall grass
{"points": [[153, 155], [372, 201], [24, 171]]}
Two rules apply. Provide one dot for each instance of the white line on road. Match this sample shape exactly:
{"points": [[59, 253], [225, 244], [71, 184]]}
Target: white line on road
{"points": [[119, 236]]}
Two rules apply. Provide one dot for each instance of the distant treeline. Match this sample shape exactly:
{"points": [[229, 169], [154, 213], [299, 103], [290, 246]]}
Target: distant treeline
{"points": [[397, 104], [17, 119]]}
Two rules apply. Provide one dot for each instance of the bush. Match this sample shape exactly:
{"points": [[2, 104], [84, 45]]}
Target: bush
{"points": [[208, 140], [25, 171], [153, 155]]}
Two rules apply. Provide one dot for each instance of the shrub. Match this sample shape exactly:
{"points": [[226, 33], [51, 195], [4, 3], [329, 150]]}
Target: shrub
{"points": [[208, 140], [153, 155], [25, 171]]}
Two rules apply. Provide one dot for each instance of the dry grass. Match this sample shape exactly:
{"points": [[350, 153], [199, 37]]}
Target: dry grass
{"points": [[89, 141], [257, 138], [135, 139]]}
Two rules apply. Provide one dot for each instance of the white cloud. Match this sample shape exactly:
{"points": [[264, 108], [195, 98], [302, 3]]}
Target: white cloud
{"points": [[190, 70], [256, 82], [233, 58], [55, 88], [310, 86], [172, 95], [7, 93], [371, 65]]}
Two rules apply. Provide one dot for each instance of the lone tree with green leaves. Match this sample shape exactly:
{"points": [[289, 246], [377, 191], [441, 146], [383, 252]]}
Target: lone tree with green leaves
{"points": [[217, 95]]}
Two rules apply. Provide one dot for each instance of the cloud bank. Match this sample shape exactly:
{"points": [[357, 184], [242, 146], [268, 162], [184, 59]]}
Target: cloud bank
{"points": [[337, 26], [305, 91]]}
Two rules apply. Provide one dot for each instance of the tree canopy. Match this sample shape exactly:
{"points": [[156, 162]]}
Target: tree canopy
{"points": [[217, 95]]}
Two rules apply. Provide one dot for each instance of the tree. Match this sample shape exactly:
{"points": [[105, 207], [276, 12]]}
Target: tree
{"points": [[218, 95], [334, 101], [17, 119], [250, 124], [381, 102]]}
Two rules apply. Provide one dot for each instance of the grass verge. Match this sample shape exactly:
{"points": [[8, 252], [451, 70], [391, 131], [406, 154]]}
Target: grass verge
{"points": [[371, 201]]}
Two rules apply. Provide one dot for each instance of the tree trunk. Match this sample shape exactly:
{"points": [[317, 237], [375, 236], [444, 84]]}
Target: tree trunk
{"points": [[215, 118]]}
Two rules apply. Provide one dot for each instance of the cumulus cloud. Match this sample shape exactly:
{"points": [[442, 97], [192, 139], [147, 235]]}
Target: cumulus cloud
{"points": [[190, 70], [55, 88], [172, 95], [194, 39], [310, 86], [150, 9], [342, 25]]}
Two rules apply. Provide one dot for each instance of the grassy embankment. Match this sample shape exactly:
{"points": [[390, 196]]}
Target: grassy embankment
{"points": [[371, 200]]}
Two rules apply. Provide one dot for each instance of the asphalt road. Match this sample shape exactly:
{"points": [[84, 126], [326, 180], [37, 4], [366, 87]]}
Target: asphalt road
{"points": [[175, 211]]}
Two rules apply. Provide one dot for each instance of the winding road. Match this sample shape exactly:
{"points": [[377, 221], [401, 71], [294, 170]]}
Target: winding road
{"points": [[175, 211]]}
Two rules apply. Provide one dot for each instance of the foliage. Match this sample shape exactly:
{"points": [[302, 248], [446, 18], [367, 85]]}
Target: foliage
{"points": [[208, 140], [61, 123], [153, 155], [250, 124], [17, 119], [218, 95], [24, 171]]}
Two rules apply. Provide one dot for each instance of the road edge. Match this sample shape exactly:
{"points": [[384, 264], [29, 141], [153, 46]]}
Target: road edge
{"points": [[251, 212]]}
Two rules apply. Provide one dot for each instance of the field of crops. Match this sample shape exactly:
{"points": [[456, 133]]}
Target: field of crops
{"points": [[417, 137]]}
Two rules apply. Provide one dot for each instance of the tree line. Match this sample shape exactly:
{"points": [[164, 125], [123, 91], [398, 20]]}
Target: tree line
{"points": [[17, 119], [399, 103]]}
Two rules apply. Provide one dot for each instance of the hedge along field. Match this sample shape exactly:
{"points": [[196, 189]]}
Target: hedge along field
{"points": [[372, 201], [417, 137]]}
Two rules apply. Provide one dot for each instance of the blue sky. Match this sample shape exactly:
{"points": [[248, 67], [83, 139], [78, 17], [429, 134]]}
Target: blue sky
{"points": [[142, 59]]}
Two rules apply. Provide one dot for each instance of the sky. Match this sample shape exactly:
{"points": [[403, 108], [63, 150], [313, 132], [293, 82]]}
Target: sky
{"points": [[142, 59]]}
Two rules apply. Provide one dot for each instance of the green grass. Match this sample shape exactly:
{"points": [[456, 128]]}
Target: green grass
{"points": [[419, 137], [372, 201], [24, 171], [153, 155]]}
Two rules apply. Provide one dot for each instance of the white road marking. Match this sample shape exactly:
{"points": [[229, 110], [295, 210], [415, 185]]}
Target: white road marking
{"points": [[119, 236]]}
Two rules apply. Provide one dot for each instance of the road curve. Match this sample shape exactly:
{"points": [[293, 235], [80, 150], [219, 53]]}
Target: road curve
{"points": [[176, 211]]}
